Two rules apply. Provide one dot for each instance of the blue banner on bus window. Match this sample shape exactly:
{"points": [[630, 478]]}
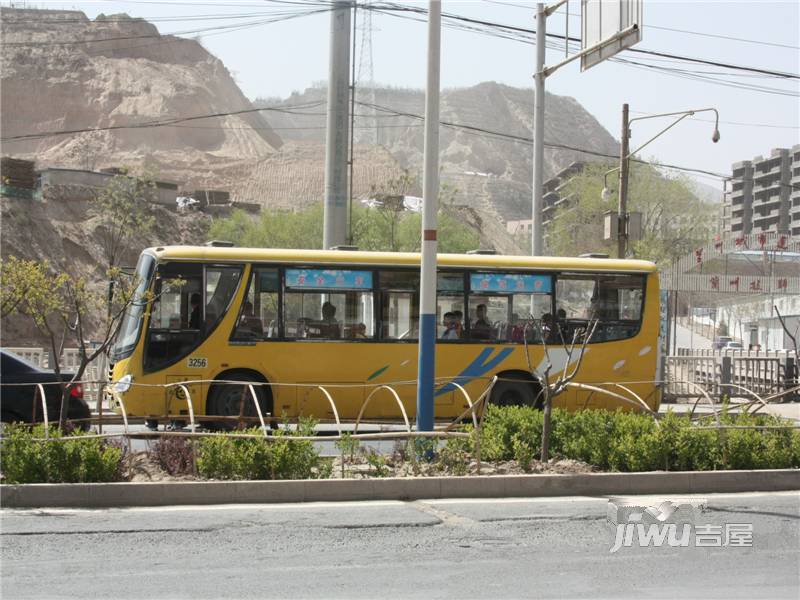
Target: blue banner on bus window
{"points": [[326, 279], [511, 283]]}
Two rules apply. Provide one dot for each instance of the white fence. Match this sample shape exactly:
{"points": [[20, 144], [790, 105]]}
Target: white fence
{"points": [[729, 372]]}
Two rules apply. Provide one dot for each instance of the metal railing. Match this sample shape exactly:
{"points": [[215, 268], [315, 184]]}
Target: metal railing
{"points": [[726, 373], [620, 391]]}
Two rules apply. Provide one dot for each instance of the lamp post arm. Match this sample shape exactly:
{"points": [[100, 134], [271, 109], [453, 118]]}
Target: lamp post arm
{"points": [[683, 115], [549, 10], [673, 114], [660, 133]]}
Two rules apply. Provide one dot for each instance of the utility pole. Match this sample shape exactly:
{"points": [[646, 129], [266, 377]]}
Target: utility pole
{"points": [[430, 199], [594, 51], [622, 210], [336, 195], [537, 230]]}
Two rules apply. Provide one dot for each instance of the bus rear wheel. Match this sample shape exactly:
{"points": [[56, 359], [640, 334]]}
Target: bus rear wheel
{"points": [[225, 400], [513, 391]]}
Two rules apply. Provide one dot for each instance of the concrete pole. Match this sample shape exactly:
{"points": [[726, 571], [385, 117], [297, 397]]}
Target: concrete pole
{"points": [[335, 220], [430, 198], [622, 211], [537, 233]]}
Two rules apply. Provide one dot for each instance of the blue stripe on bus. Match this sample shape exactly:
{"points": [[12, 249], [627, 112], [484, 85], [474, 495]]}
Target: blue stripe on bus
{"points": [[376, 373], [477, 368]]}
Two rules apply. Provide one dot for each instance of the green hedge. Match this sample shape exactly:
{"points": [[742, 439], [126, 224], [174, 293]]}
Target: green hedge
{"points": [[623, 441], [27, 460], [226, 457]]}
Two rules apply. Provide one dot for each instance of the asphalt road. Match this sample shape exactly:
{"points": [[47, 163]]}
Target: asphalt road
{"points": [[553, 547]]}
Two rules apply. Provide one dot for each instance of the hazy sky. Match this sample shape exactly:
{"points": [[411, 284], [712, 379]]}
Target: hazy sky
{"points": [[274, 59]]}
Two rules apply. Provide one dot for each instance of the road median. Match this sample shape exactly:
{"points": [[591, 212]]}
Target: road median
{"points": [[108, 495]]}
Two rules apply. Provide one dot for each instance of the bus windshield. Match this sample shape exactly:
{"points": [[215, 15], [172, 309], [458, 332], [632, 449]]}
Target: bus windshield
{"points": [[132, 321]]}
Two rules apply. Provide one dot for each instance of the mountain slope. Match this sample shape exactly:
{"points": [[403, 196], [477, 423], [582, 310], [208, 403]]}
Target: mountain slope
{"points": [[489, 172], [62, 71]]}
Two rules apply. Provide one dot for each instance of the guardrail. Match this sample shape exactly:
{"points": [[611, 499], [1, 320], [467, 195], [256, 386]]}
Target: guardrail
{"points": [[726, 373], [474, 410]]}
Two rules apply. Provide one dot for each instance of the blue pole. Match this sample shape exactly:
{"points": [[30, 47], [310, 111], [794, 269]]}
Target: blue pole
{"points": [[427, 304]]}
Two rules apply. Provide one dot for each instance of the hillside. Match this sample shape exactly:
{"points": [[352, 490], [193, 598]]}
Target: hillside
{"points": [[491, 173], [63, 71]]}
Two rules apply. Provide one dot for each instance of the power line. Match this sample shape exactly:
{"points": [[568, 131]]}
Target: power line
{"points": [[136, 20], [461, 126], [389, 7], [203, 30], [725, 37], [684, 74], [672, 29], [151, 124], [528, 140]]}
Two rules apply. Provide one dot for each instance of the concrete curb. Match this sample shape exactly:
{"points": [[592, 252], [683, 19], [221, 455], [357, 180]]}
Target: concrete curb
{"points": [[104, 495]]}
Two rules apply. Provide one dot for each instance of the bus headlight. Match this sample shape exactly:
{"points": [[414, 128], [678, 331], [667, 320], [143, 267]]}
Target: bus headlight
{"points": [[124, 384]]}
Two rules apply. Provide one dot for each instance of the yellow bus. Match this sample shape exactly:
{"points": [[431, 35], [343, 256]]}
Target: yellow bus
{"points": [[347, 320]]}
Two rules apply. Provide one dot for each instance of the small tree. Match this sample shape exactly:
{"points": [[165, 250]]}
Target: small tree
{"points": [[371, 230], [572, 364], [391, 196], [59, 305], [674, 221], [123, 213]]}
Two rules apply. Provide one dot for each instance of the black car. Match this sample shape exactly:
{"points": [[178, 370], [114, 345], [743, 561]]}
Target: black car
{"points": [[17, 401]]}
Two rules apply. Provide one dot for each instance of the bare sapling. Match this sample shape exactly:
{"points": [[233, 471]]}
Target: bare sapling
{"points": [[554, 384]]}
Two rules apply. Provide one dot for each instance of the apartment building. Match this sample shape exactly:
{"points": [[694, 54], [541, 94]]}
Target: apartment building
{"points": [[764, 195], [556, 196]]}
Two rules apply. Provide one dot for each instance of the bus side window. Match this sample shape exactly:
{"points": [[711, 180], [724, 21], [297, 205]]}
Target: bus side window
{"points": [[450, 306], [399, 293], [328, 304], [615, 301], [256, 318]]}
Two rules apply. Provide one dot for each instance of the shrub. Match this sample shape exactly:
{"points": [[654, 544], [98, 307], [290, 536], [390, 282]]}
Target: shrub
{"points": [[27, 458], [503, 425], [523, 454], [173, 454], [454, 455], [348, 446], [236, 457], [624, 441], [377, 461]]}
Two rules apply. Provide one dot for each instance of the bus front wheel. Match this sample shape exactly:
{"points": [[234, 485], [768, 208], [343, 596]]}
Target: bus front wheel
{"points": [[514, 391], [225, 400]]}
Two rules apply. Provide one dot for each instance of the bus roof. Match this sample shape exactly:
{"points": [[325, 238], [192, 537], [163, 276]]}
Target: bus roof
{"points": [[359, 257]]}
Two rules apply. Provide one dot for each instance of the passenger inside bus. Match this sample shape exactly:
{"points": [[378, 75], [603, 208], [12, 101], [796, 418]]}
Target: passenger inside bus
{"points": [[450, 324], [481, 329], [329, 326]]}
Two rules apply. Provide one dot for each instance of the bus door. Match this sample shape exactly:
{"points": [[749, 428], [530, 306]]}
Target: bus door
{"points": [[190, 301]]}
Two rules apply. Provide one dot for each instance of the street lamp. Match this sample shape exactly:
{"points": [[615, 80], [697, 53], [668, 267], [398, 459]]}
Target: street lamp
{"points": [[624, 156]]}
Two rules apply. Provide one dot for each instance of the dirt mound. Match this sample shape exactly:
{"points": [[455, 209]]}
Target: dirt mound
{"points": [[62, 71]]}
